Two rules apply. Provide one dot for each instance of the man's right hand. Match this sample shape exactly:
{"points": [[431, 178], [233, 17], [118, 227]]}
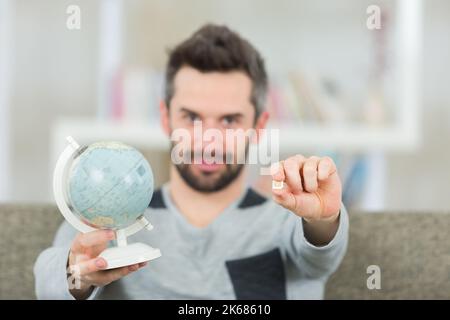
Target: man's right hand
{"points": [[87, 269]]}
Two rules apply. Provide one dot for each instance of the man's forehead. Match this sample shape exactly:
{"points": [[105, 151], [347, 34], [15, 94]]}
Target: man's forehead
{"points": [[222, 93], [233, 84]]}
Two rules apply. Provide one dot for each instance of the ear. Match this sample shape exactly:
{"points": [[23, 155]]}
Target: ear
{"points": [[164, 117], [261, 123]]}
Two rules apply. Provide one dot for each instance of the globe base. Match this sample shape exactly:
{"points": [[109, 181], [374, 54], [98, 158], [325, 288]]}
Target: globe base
{"points": [[117, 257]]}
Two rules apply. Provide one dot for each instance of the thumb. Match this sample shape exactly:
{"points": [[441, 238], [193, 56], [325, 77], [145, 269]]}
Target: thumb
{"points": [[284, 198]]}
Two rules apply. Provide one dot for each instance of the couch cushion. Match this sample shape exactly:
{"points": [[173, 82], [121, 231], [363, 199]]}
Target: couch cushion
{"points": [[25, 230], [411, 249]]}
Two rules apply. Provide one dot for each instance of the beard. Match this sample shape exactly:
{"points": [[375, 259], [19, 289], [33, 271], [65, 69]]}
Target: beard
{"points": [[208, 182]]}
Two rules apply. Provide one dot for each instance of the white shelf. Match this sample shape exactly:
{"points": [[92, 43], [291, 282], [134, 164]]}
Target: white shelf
{"points": [[352, 138], [292, 139]]}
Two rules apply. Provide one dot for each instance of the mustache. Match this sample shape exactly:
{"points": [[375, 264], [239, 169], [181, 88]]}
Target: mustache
{"points": [[211, 156], [188, 155]]}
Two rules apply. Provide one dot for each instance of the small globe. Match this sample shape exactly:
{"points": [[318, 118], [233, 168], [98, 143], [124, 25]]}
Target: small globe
{"points": [[109, 185]]}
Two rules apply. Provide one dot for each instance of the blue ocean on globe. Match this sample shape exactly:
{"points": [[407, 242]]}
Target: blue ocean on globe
{"points": [[110, 185]]}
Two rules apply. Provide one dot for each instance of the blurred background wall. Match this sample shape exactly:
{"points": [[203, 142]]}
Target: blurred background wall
{"points": [[55, 75]]}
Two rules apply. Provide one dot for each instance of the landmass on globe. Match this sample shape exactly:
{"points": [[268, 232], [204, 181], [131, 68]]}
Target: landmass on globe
{"points": [[110, 185]]}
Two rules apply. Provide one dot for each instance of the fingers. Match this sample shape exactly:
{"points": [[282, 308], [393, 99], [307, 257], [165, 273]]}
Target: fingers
{"points": [[89, 266], [292, 167], [288, 171], [310, 174], [302, 174], [91, 240], [103, 278], [326, 168], [285, 199], [99, 264], [91, 272], [106, 277], [278, 178], [277, 171]]}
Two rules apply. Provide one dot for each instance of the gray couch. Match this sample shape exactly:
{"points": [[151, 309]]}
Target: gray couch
{"points": [[411, 249]]}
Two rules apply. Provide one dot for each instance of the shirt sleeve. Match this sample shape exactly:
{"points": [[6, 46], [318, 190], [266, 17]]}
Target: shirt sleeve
{"points": [[50, 268], [315, 261]]}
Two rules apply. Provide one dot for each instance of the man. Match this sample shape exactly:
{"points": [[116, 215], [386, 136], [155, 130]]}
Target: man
{"points": [[218, 238]]}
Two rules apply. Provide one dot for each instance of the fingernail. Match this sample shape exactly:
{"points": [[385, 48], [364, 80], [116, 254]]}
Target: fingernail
{"points": [[274, 168], [100, 263], [277, 185]]}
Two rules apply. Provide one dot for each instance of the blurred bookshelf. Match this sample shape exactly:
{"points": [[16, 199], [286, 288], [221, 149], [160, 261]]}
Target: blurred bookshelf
{"points": [[313, 111], [293, 139]]}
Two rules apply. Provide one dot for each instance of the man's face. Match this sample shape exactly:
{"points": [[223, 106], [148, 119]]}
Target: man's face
{"points": [[208, 103]]}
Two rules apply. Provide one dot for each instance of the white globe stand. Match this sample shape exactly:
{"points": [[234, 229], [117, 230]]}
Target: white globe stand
{"points": [[122, 255]]}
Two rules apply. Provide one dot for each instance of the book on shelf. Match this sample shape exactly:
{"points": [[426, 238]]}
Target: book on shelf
{"points": [[135, 95], [297, 97]]}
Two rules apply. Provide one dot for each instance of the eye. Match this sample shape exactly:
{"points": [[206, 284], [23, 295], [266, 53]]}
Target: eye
{"points": [[228, 120], [192, 117]]}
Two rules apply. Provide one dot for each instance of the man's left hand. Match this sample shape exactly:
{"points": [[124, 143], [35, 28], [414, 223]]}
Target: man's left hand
{"points": [[311, 187]]}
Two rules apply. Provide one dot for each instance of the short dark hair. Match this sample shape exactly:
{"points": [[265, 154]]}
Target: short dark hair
{"points": [[217, 48]]}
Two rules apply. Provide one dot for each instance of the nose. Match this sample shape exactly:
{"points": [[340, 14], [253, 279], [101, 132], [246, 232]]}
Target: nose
{"points": [[208, 131], [208, 136]]}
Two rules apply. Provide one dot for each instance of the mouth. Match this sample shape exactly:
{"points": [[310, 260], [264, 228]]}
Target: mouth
{"points": [[208, 167]]}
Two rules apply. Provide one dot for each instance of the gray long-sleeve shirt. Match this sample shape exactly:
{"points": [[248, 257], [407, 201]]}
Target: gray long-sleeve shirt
{"points": [[255, 249]]}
